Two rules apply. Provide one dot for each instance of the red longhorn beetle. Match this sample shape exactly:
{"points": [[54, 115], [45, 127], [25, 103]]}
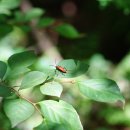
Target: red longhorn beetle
{"points": [[60, 68]]}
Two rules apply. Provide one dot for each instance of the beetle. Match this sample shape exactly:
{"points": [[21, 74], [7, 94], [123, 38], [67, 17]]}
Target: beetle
{"points": [[61, 69]]}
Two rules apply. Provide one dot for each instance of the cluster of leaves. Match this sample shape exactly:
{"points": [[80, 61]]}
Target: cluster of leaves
{"points": [[121, 4], [57, 114], [21, 19]]}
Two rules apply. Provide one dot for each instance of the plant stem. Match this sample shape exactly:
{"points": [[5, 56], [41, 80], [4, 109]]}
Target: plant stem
{"points": [[34, 104]]}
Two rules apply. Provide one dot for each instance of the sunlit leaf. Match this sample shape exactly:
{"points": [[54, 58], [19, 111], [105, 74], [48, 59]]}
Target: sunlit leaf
{"points": [[22, 60], [3, 69], [8, 3], [4, 91], [32, 79], [61, 113], [5, 11], [18, 110], [103, 90], [6, 6], [73, 68], [67, 31], [53, 89], [104, 3], [33, 13], [15, 73], [36, 94]]}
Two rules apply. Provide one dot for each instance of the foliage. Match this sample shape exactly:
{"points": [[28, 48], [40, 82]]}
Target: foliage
{"points": [[61, 112], [18, 110], [19, 73], [6, 6], [67, 31], [124, 5], [3, 69]]}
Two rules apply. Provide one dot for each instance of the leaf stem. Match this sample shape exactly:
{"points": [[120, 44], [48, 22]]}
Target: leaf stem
{"points": [[34, 104]]}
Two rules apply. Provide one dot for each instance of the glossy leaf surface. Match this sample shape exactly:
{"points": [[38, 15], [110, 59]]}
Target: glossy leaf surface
{"points": [[73, 68], [61, 113], [52, 89], [103, 90], [18, 110], [22, 59], [32, 79]]}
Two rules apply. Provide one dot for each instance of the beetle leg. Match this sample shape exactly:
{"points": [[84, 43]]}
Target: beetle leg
{"points": [[55, 72], [62, 73], [65, 68]]}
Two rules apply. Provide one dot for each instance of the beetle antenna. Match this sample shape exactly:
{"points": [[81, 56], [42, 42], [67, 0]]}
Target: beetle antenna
{"points": [[55, 61], [52, 65]]}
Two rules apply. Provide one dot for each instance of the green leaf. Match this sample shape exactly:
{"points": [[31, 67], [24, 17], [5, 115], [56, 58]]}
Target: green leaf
{"points": [[22, 60], [61, 113], [5, 30], [103, 90], [19, 16], [51, 126], [32, 79], [73, 67], [8, 3], [15, 73], [3, 69], [53, 89], [67, 31], [4, 91], [33, 14], [45, 22], [18, 110], [36, 94], [5, 11], [104, 3]]}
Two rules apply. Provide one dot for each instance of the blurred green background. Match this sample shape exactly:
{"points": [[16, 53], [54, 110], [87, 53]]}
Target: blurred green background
{"points": [[104, 42]]}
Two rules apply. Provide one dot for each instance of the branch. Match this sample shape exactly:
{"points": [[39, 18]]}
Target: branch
{"points": [[34, 104]]}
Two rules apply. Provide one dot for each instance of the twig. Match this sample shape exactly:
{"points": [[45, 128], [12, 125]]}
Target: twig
{"points": [[34, 104]]}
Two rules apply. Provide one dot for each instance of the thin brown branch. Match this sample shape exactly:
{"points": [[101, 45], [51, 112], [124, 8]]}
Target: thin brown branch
{"points": [[34, 104]]}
